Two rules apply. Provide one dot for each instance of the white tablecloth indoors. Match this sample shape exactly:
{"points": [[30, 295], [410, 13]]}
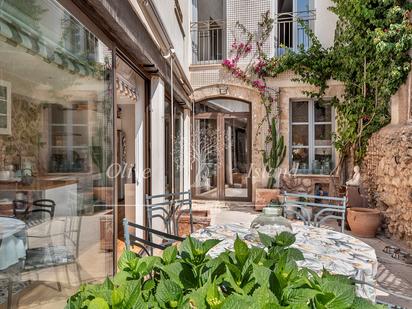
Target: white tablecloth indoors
{"points": [[12, 241], [322, 248]]}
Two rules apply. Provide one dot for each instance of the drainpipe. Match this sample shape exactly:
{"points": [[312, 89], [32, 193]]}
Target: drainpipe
{"points": [[170, 56]]}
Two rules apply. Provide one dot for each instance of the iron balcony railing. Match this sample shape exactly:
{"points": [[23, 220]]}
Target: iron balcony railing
{"points": [[290, 33], [208, 41], [209, 37]]}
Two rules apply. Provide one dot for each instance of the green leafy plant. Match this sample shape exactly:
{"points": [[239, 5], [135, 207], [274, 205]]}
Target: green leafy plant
{"points": [[369, 56], [257, 277], [273, 157]]}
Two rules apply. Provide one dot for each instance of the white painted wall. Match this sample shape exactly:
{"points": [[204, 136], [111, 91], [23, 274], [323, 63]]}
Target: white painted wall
{"points": [[186, 150], [181, 41], [157, 117], [139, 152], [325, 23]]}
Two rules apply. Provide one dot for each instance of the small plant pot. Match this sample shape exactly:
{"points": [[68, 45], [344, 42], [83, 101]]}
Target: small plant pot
{"points": [[364, 222]]}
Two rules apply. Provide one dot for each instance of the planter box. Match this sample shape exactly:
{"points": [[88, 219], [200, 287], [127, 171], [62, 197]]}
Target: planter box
{"points": [[264, 196], [201, 219]]}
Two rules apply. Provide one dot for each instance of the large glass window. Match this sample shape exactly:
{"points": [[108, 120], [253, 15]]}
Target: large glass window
{"points": [[311, 137], [56, 133]]}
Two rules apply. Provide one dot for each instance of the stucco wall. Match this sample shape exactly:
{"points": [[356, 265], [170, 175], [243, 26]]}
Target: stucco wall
{"points": [[325, 22]]}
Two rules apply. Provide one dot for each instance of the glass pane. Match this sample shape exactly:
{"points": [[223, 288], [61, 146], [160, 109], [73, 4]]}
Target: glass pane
{"points": [[323, 135], [300, 112], [205, 156], [3, 107], [178, 150], [3, 93], [300, 135], [222, 106], [236, 158], [323, 161], [300, 160], [58, 153], [302, 6], [3, 121], [323, 112]]}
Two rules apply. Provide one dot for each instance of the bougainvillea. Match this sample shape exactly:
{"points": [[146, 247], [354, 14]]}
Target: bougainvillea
{"points": [[369, 56]]}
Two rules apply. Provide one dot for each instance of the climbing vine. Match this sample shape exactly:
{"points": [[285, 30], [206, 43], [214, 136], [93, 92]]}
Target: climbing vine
{"points": [[369, 56]]}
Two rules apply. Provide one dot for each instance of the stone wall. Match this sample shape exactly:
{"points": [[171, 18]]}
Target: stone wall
{"points": [[387, 173]]}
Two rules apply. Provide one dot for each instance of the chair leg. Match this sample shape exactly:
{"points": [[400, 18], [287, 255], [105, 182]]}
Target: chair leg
{"points": [[9, 294]]}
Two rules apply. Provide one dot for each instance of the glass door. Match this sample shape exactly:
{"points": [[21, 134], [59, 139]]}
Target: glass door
{"points": [[205, 158], [221, 150], [236, 154]]}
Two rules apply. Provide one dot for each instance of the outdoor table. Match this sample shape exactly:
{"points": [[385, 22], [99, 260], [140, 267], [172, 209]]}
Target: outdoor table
{"points": [[322, 248], [12, 242]]}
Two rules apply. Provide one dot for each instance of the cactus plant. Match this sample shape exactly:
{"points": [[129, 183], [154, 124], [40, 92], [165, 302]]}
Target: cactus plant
{"points": [[274, 154]]}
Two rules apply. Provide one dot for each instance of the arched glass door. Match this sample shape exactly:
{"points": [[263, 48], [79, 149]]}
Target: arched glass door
{"points": [[221, 150]]}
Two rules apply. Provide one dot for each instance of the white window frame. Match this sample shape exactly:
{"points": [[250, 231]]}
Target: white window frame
{"points": [[7, 130], [311, 134]]}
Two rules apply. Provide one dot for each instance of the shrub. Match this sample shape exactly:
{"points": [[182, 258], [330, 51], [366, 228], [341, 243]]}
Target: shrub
{"points": [[246, 278]]}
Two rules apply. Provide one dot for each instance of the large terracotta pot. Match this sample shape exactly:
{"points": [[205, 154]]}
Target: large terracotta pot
{"points": [[364, 222]]}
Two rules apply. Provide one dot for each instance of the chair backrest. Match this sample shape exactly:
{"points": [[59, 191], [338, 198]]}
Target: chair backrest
{"points": [[146, 245], [44, 206], [325, 207], [169, 208]]}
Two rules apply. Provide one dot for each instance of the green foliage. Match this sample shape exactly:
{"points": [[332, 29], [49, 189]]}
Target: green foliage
{"points": [[246, 278], [369, 56], [273, 157]]}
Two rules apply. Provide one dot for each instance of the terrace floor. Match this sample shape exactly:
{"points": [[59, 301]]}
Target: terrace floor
{"points": [[393, 274]]}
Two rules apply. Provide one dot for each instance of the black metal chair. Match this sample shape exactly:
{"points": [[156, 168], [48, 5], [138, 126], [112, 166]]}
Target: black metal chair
{"points": [[40, 212], [146, 245], [168, 208]]}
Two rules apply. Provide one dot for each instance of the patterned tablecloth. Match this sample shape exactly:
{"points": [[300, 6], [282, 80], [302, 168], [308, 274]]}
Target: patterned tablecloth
{"points": [[12, 241], [322, 248]]}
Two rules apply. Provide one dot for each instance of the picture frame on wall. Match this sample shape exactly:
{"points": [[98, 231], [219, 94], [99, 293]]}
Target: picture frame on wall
{"points": [[5, 107]]}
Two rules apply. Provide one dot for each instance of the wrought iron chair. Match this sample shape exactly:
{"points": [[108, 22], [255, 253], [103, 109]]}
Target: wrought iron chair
{"points": [[327, 207], [168, 209], [41, 211], [146, 245], [61, 250]]}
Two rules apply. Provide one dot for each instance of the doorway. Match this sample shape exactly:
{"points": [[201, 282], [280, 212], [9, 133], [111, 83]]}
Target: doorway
{"points": [[221, 152]]}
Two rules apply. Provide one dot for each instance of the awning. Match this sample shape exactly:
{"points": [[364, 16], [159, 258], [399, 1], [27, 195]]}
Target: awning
{"points": [[18, 34]]}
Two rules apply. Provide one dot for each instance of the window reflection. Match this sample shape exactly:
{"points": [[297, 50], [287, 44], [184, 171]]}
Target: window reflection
{"points": [[55, 147]]}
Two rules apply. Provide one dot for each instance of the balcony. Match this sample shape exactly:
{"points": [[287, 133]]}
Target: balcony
{"points": [[208, 41], [290, 33]]}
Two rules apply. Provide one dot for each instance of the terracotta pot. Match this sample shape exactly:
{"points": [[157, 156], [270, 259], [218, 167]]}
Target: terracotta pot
{"points": [[364, 222], [201, 219], [264, 197]]}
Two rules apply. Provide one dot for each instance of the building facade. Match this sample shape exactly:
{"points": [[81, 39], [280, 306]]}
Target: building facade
{"points": [[232, 112], [95, 106]]}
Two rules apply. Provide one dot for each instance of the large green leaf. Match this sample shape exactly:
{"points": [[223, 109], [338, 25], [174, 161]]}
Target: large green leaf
{"points": [[98, 303], [285, 239], [241, 251], [169, 255], [169, 293], [181, 273]]}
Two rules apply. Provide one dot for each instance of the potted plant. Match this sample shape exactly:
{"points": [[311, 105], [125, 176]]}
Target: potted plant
{"points": [[187, 277], [272, 158]]}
